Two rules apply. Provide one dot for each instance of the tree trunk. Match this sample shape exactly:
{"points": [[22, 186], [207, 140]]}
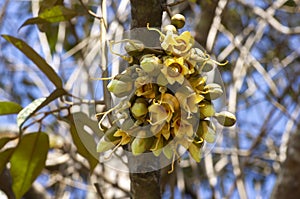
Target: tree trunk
{"points": [[145, 179], [288, 184], [143, 12], [206, 18]]}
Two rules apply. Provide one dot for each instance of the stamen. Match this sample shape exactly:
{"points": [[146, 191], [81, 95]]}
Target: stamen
{"points": [[124, 116], [220, 64], [129, 59], [116, 147], [104, 115], [172, 166], [161, 34], [198, 142], [155, 123], [216, 62], [101, 78], [124, 106], [156, 145], [189, 139]]}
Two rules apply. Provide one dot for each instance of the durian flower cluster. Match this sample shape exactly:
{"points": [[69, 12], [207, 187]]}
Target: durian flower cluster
{"points": [[166, 99]]}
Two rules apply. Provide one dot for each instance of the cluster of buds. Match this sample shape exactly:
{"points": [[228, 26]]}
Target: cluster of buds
{"points": [[167, 102]]}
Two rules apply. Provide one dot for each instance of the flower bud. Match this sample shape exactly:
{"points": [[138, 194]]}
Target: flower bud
{"points": [[168, 150], [209, 65], [210, 135], [212, 91], [134, 46], [162, 80], [169, 28], [140, 145], [120, 88], [197, 54], [178, 20], [108, 141], [198, 83], [225, 118], [202, 128], [139, 108], [206, 109], [150, 64], [157, 146], [195, 151]]}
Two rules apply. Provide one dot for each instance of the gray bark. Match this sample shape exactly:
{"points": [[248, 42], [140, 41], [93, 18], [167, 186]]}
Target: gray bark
{"points": [[143, 12], [145, 185], [288, 183]]}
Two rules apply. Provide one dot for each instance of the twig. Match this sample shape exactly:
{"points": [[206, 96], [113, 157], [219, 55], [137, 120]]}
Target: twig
{"points": [[175, 3], [167, 9], [98, 190], [92, 13]]}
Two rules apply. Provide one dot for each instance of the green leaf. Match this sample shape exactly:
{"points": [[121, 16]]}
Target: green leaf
{"points": [[290, 3], [9, 108], [35, 58], [53, 14], [4, 158], [84, 142], [27, 161], [36, 105]]}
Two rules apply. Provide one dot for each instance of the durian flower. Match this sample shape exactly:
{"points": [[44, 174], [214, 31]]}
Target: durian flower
{"points": [[147, 90], [142, 80], [158, 143], [174, 70], [150, 64], [125, 138], [143, 85], [160, 113], [120, 88], [178, 45], [198, 83], [171, 100], [182, 128], [195, 149], [139, 108], [162, 129], [202, 61], [188, 99]]}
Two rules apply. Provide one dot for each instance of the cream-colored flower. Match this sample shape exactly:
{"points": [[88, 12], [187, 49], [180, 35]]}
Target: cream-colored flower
{"points": [[188, 99], [198, 83], [160, 113], [161, 129], [182, 128], [178, 45], [171, 100], [125, 138], [147, 90], [150, 64], [159, 141], [174, 70]]}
